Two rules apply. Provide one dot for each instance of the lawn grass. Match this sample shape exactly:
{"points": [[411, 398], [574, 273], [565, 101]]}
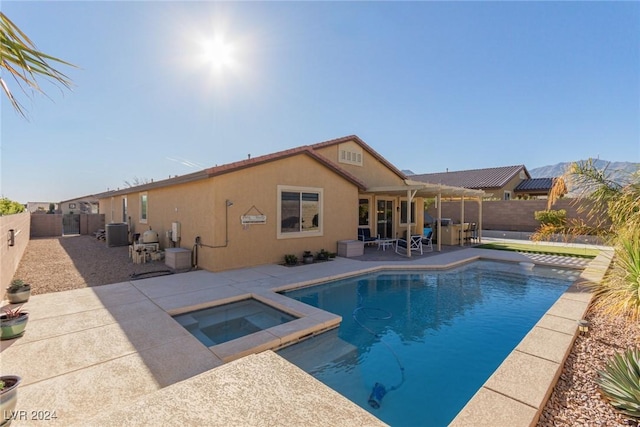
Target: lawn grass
{"points": [[541, 249]]}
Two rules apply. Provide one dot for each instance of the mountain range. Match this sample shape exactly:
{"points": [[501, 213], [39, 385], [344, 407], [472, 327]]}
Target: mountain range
{"points": [[618, 171]]}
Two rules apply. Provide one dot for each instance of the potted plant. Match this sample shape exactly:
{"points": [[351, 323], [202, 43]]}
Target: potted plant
{"points": [[307, 257], [18, 292], [322, 255], [290, 259], [12, 323], [8, 397]]}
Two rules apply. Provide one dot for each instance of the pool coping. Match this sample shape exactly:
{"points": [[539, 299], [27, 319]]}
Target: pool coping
{"points": [[520, 386], [77, 337], [524, 381]]}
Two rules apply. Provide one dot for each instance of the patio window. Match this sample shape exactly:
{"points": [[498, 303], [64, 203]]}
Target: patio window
{"points": [[143, 208], [403, 212], [299, 212], [363, 212]]}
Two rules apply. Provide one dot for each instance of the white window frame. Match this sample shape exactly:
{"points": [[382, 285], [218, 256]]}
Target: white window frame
{"points": [[125, 208], [299, 234], [143, 220], [507, 195], [370, 209], [413, 213]]}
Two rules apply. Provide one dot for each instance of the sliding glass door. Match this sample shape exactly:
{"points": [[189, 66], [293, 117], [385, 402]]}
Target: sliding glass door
{"points": [[384, 213]]}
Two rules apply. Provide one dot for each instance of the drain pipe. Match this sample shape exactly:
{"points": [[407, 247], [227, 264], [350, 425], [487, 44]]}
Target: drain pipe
{"points": [[194, 255], [228, 203]]}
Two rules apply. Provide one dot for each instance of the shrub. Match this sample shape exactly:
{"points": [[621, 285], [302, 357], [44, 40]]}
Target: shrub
{"points": [[290, 259], [550, 217], [619, 382], [619, 291], [9, 207]]}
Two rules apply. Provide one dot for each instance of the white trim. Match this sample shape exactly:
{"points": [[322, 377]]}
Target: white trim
{"points": [[146, 196], [413, 214], [300, 234]]}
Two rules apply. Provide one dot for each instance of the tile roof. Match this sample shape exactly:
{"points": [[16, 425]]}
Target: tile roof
{"points": [[250, 162], [474, 178]]}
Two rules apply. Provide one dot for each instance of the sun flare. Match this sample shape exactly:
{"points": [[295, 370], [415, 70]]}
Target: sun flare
{"points": [[217, 53]]}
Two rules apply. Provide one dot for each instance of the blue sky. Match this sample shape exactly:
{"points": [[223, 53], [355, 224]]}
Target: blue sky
{"points": [[429, 85]]}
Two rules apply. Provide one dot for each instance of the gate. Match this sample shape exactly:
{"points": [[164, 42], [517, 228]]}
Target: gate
{"points": [[70, 224]]}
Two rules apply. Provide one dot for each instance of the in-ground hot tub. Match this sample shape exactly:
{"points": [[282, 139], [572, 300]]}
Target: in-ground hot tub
{"points": [[222, 323]]}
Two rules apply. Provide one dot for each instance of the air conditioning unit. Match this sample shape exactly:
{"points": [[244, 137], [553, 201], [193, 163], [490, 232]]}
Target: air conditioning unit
{"points": [[117, 234]]}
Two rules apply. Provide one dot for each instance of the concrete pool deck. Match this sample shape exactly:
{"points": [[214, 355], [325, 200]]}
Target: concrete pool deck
{"points": [[113, 355]]}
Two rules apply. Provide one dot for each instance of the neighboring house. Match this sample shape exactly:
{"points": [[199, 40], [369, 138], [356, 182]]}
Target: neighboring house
{"points": [[257, 210], [502, 183], [41, 207], [80, 205]]}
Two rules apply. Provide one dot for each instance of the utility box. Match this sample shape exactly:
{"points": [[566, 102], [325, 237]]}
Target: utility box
{"points": [[350, 248], [177, 258]]}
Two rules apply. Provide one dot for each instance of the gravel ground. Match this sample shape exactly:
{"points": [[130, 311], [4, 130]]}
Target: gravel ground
{"points": [[58, 264], [73, 262]]}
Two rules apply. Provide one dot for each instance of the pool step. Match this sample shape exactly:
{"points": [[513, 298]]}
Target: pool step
{"points": [[320, 350]]}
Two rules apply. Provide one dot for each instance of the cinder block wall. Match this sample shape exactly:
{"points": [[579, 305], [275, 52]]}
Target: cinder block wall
{"points": [[10, 256], [90, 223], [46, 225], [507, 215]]}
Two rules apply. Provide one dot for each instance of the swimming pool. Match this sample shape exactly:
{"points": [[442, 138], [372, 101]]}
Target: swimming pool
{"points": [[413, 347]]}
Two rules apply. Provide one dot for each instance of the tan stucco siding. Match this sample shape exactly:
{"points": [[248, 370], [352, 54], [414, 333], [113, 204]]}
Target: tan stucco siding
{"points": [[200, 207], [255, 190], [372, 172]]}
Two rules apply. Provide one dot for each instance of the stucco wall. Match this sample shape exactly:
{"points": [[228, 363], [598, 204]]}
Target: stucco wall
{"points": [[10, 256], [200, 208], [373, 172], [508, 215]]}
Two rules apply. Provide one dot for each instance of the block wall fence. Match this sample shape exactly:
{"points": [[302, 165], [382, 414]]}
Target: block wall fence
{"points": [[12, 249], [507, 215]]}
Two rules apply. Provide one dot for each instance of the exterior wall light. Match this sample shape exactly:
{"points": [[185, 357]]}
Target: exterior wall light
{"points": [[583, 326]]}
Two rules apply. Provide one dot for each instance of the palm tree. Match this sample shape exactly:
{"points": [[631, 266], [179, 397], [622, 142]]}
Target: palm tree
{"points": [[25, 63], [619, 292]]}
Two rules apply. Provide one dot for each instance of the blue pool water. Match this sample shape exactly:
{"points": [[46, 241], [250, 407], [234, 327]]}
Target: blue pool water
{"points": [[420, 344]]}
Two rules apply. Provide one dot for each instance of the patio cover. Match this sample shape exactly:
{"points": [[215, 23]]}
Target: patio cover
{"points": [[412, 189]]}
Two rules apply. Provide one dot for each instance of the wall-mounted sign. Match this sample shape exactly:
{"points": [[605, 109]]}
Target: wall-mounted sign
{"points": [[253, 219]]}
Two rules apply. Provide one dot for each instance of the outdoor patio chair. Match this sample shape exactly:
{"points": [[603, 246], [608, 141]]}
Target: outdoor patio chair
{"points": [[427, 242], [414, 242], [364, 234]]}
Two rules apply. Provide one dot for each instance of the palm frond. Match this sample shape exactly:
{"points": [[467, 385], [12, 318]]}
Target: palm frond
{"points": [[25, 63]]}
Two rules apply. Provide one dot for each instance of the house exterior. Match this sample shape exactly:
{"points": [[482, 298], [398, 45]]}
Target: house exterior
{"points": [[257, 210], [80, 205], [501, 183], [40, 207]]}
